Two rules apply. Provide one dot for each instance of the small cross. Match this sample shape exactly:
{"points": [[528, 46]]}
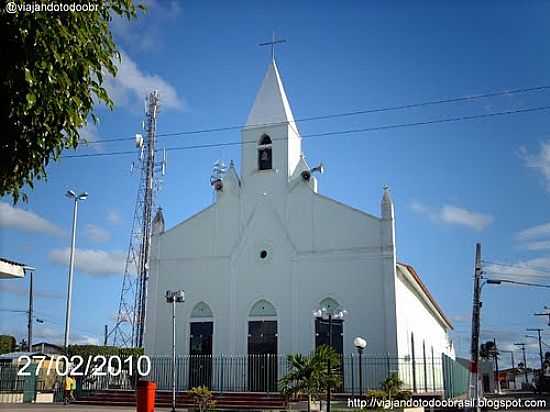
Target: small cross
{"points": [[272, 43]]}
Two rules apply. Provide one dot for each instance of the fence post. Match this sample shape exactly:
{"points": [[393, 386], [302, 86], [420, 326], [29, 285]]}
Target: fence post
{"points": [[352, 378], [221, 373]]}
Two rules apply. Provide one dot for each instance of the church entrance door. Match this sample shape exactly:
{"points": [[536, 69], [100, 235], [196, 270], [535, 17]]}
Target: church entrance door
{"points": [[200, 351], [322, 337], [262, 356]]}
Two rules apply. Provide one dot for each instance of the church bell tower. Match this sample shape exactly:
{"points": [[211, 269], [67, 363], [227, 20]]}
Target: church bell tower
{"points": [[271, 143]]}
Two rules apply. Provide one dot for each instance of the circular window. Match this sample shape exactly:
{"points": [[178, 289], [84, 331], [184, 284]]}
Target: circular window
{"points": [[263, 254]]}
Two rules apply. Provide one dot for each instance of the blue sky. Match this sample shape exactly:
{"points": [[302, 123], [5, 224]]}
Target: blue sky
{"points": [[453, 184]]}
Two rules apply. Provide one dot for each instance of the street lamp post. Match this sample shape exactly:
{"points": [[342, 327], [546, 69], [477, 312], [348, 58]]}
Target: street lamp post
{"points": [[360, 344], [174, 297], [324, 313], [539, 337], [82, 196]]}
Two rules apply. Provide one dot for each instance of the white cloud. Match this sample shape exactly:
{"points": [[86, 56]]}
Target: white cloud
{"points": [[535, 232], [52, 332], [113, 217], [56, 335], [534, 270], [454, 215], [459, 216], [15, 218], [91, 261], [538, 245], [465, 317], [89, 137], [536, 237], [539, 161], [131, 86], [96, 233], [147, 35]]}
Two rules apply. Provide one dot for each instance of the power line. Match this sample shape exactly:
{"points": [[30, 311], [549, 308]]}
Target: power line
{"points": [[343, 114], [333, 133]]}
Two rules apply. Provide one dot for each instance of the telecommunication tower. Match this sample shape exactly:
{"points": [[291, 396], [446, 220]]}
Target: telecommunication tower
{"points": [[130, 321]]}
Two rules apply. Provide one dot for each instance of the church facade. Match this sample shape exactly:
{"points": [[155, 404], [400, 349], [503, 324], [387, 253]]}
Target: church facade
{"points": [[271, 250]]}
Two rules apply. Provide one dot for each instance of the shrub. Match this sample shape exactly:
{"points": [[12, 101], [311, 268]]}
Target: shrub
{"points": [[202, 397]]}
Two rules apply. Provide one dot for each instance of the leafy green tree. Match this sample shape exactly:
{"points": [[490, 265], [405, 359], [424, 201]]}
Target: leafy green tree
{"points": [[7, 344], [53, 65], [309, 375]]}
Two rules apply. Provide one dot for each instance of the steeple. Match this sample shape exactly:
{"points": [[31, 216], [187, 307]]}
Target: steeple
{"points": [[158, 222], [387, 205], [271, 142], [271, 104]]}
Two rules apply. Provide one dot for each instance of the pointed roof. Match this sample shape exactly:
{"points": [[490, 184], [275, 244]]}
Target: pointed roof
{"points": [[386, 197], [158, 222], [271, 104]]}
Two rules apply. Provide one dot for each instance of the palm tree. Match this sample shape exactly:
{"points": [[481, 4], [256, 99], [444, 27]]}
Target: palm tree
{"points": [[309, 375], [392, 385]]}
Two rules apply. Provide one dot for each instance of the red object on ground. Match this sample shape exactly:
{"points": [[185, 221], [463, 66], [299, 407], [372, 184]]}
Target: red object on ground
{"points": [[145, 396]]}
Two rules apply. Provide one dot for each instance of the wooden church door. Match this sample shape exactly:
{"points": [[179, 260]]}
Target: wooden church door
{"points": [[200, 351], [262, 356], [322, 337]]}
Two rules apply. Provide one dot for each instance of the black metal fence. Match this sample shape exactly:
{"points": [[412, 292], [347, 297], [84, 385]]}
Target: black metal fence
{"points": [[16, 388], [253, 373], [261, 373]]}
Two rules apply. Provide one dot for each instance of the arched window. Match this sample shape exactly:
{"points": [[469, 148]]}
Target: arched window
{"points": [[265, 161], [262, 308], [202, 310], [323, 329]]}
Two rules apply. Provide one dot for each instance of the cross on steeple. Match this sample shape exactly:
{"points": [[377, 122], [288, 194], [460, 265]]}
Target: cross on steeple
{"points": [[272, 43]]}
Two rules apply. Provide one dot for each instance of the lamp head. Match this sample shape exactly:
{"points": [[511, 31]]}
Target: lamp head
{"points": [[360, 343], [70, 194], [179, 295], [340, 314], [175, 296], [493, 282], [83, 196]]}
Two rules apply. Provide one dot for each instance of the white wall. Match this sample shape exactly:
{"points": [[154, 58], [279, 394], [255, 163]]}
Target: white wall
{"points": [[323, 250], [416, 316]]}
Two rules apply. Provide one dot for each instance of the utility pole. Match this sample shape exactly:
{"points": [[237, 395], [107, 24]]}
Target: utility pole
{"points": [[538, 330], [105, 335], [496, 365], [522, 346], [29, 320], [474, 388]]}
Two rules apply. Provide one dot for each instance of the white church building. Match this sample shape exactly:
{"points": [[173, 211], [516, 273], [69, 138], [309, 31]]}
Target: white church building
{"points": [[271, 250]]}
